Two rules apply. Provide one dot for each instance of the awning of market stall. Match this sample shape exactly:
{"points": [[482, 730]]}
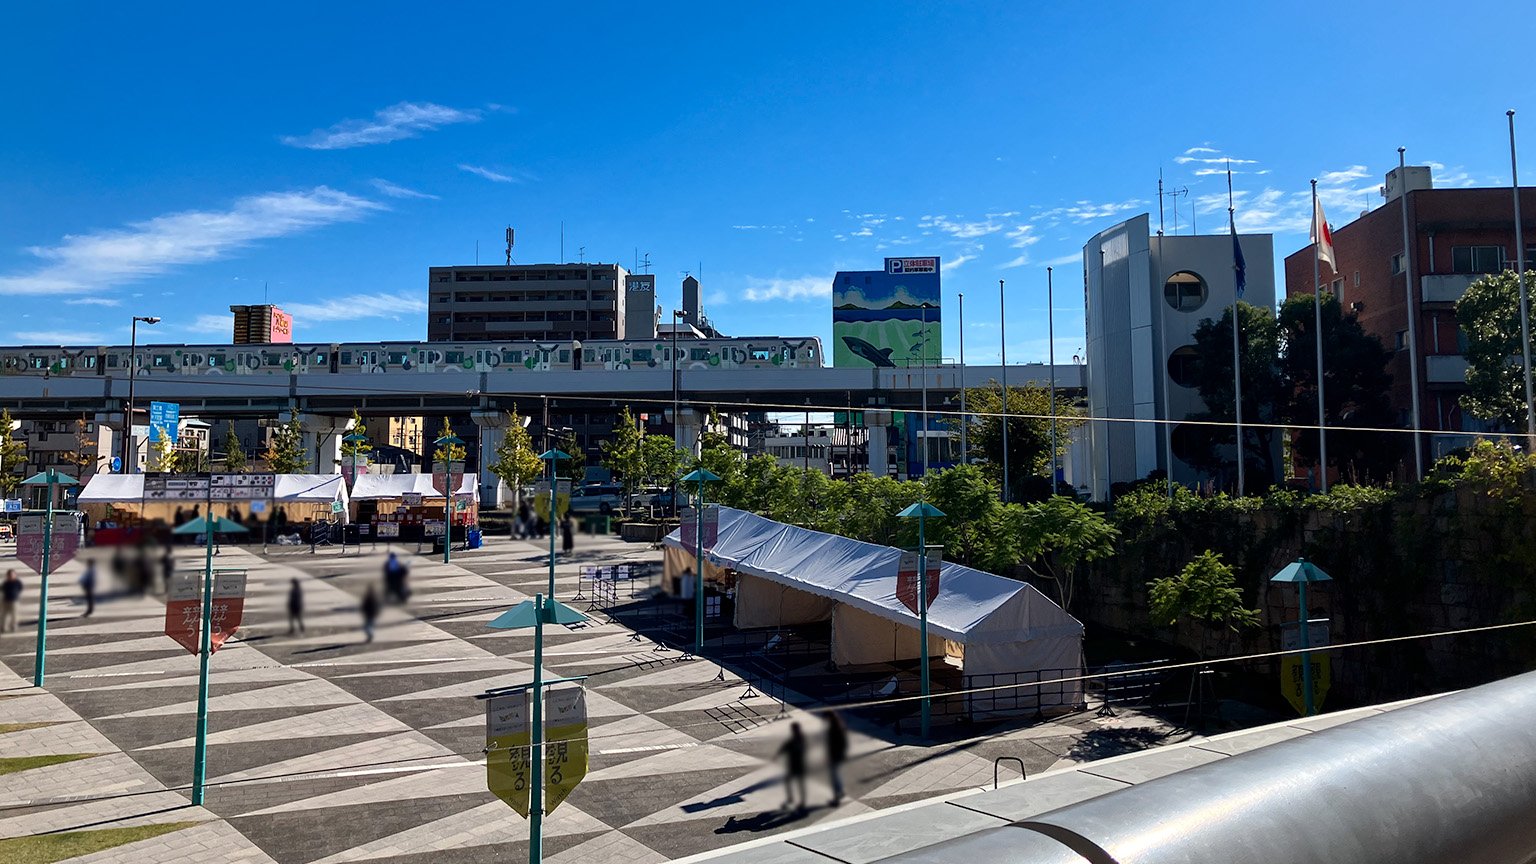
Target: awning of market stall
{"points": [[372, 487]]}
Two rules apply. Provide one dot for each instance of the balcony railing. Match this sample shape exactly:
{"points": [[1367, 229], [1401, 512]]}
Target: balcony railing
{"points": [[1445, 368], [1446, 287]]}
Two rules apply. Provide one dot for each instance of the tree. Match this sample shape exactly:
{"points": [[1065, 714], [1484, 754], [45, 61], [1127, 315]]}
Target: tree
{"points": [[1029, 432], [162, 452], [1056, 536], [13, 456], [1356, 388], [1489, 315], [84, 457], [663, 460], [516, 461], [1259, 352], [234, 452], [448, 452], [1204, 592], [359, 450], [285, 452], [621, 452], [968, 500], [190, 461]]}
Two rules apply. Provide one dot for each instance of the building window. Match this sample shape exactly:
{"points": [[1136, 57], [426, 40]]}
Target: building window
{"points": [[1477, 259], [1183, 366], [1185, 291], [1402, 340], [1338, 290], [1397, 263]]}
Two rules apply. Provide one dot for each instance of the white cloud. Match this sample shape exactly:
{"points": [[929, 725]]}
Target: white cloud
{"points": [[1017, 262], [758, 227], [92, 301], [401, 120], [58, 337], [1022, 237], [88, 263], [795, 288], [394, 191], [1063, 260], [211, 324], [961, 230], [867, 232], [1213, 160], [353, 307], [493, 176], [956, 262], [1088, 211]]}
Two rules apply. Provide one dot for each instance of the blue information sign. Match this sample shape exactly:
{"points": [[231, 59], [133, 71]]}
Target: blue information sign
{"points": [[164, 418]]}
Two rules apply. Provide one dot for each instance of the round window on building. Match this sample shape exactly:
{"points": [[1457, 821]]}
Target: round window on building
{"points": [[1190, 440], [1183, 366], [1185, 291]]}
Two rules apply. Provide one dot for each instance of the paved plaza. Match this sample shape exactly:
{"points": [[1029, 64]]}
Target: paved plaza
{"points": [[326, 748]]}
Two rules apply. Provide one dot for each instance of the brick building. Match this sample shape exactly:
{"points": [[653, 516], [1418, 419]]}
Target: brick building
{"points": [[1455, 236]]}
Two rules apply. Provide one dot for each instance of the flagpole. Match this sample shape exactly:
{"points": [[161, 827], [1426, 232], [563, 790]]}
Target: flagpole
{"points": [[1413, 336], [1050, 324], [1525, 300], [1237, 377], [1317, 335], [1162, 335]]}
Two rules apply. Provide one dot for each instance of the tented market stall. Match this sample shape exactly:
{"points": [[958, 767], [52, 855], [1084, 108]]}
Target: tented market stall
{"points": [[1002, 630]]}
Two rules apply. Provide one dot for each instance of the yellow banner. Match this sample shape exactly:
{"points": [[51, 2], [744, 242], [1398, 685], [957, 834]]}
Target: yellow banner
{"points": [[1291, 681], [541, 499], [507, 771], [565, 736]]}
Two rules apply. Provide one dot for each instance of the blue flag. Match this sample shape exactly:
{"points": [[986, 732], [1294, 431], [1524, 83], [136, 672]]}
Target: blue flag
{"points": [[1239, 267]]}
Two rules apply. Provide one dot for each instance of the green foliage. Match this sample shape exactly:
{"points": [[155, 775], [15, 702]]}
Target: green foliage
{"points": [[1205, 591], [1489, 314], [1498, 468], [1029, 431], [516, 462], [358, 449], [162, 452], [234, 453], [84, 457], [1057, 536], [190, 462], [285, 449], [13, 456], [448, 452], [621, 452], [661, 458], [1207, 447], [1356, 391]]}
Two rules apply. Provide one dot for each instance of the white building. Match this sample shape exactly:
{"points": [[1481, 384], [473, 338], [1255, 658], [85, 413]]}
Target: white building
{"points": [[1145, 295]]}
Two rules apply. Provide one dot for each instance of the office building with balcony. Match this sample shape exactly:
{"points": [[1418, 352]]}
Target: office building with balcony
{"points": [[526, 302], [1455, 236]]}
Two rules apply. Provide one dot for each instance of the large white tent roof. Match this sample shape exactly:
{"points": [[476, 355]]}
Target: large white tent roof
{"points": [[973, 607], [375, 486], [129, 488]]}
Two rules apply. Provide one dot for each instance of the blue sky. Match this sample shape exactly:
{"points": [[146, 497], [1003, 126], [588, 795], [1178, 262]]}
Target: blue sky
{"points": [[172, 163]]}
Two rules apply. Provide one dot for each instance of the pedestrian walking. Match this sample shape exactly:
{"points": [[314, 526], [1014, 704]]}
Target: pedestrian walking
{"points": [[88, 585], [168, 567], [567, 534], [10, 595], [295, 608], [793, 753], [837, 753], [524, 520], [370, 609], [396, 575]]}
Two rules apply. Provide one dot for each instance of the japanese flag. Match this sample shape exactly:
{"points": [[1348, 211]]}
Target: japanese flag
{"points": [[1322, 236]]}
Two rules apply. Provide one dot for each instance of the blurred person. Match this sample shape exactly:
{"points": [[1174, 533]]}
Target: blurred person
{"points": [[394, 579], [10, 595], [168, 568], [119, 566], [523, 519], [295, 608], [141, 572], [567, 534], [235, 515], [370, 610], [793, 753], [88, 585], [837, 753]]}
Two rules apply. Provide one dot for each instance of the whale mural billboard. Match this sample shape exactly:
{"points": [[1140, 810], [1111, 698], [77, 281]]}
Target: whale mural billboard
{"points": [[888, 317]]}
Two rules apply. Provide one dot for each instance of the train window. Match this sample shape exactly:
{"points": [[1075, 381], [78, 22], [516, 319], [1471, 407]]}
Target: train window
{"points": [[111, 361], [397, 357], [590, 355], [162, 361], [215, 360], [319, 359], [458, 357], [90, 362], [761, 354], [643, 354], [511, 356], [698, 354], [272, 359], [565, 356], [63, 362]]}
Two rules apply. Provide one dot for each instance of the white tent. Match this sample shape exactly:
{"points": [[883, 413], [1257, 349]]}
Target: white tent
{"points": [[112, 489], [129, 489], [795, 575], [369, 487]]}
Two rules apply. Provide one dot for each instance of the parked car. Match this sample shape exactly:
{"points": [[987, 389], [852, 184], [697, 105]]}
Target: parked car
{"points": [[642, 497], [602, 498]]}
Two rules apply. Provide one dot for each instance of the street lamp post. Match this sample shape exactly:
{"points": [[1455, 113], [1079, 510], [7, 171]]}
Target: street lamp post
{"points": [[1050, 326], [921, 511], [965, 420], [129, 460], [552, 456], [700, 475], [356, 441], [676, 420], [446, 443], [1301, 572], [52, 479]]}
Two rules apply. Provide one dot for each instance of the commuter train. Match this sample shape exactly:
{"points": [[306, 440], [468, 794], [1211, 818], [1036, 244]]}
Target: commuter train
{"points": [[369, 357]]}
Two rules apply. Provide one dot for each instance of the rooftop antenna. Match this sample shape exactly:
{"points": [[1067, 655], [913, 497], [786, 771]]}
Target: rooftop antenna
{"points": [[509, 245], [581, 254], [263, 293], [1159, 200], [562, 241], [1174, 194], [646, 263]]}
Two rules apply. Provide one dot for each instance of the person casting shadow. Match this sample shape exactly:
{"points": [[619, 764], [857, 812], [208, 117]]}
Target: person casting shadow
{"points": [[793, 753]]}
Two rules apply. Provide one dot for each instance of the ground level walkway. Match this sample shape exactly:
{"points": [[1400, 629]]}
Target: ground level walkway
{"points": [[327, 748]]}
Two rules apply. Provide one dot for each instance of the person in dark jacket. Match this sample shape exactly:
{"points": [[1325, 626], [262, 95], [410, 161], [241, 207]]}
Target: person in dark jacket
{"points": [[793, 753], [370, 609], [88, 585], [295, 608], [10, 596], [837, 754], [567, 534]]}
